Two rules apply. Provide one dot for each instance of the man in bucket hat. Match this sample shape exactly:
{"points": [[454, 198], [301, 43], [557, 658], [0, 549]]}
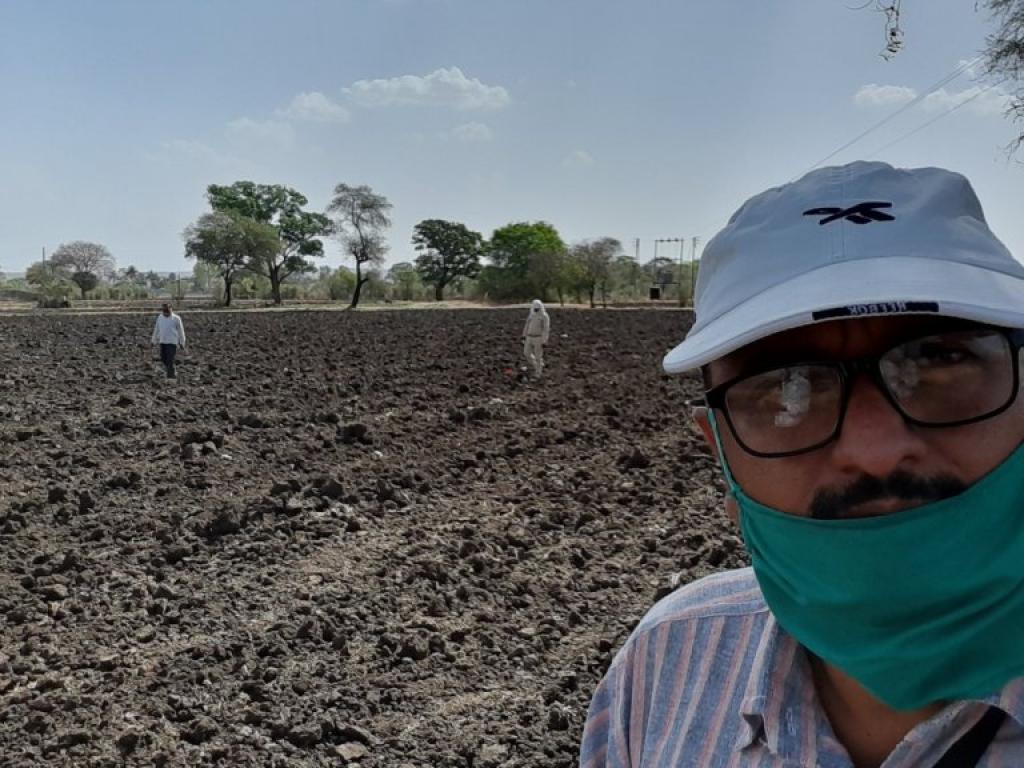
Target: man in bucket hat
{"points": [[859, 333]]}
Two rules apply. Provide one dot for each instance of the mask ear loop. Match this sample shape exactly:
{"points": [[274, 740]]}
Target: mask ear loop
{"points": [[733, 485]]}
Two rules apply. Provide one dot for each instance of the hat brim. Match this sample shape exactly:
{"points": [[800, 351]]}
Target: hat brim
{"points": [[857, 288]]}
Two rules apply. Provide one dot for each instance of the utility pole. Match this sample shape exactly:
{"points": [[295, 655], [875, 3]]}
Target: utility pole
{"points": [[682, 247]]}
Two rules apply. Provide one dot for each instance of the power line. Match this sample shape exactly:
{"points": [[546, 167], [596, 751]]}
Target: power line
{"points": [[939, 116], [916, 100]]}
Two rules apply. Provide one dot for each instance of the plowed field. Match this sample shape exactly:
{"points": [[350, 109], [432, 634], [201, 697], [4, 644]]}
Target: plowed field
{"points": [[340, 538]]}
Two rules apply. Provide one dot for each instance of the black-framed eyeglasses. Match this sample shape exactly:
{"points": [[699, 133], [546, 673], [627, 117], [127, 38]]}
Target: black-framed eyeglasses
{"points": [[941, 380]]}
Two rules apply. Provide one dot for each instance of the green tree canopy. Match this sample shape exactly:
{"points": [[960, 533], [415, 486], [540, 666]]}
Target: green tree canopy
{"points": [[626, 274], [51, 287], [298, 231], [593, 262], [512, 246], [341, 284], [40, 274], [448, 251], [525, 260], [230, 242], [361, 217], [86, 281], [405, 281], [51, 283]]}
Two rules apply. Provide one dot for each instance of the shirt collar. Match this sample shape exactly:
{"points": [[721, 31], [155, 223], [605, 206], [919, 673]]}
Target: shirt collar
{"points": [[1010, 699]]}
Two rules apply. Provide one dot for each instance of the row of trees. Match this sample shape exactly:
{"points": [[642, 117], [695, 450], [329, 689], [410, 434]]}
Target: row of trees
{"points": [[89, 268], [260, 237], [625, 280], [263, 230]]}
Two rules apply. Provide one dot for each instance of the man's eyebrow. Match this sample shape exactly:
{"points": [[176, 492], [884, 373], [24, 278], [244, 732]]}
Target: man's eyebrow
{"points": [[756, 361], [768, 357]]}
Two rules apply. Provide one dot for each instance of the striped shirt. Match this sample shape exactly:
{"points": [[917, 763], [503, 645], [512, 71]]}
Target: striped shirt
{"points": [[708, 679]]}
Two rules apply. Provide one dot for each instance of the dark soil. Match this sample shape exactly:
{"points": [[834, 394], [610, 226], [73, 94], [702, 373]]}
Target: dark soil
{"points": [[340, 538]]}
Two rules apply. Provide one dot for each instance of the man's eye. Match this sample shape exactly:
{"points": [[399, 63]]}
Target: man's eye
{"points": [[939, 354]]}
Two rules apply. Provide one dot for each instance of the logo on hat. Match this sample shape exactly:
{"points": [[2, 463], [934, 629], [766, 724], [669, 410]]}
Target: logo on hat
{"points": [[861, 213]]}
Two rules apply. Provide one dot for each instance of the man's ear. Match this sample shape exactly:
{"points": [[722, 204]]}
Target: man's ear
{"points": [[700, 418]]}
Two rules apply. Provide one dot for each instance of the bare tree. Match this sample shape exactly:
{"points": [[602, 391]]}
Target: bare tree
{"points": [[360, 218], [1004, 57], [85, 264]]}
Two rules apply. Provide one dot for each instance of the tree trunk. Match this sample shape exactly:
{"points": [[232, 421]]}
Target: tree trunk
{"points": [[439, 292], [227, 291], [275, 284], [359, 285], [359, 290], [83, 292], [591, 292]]}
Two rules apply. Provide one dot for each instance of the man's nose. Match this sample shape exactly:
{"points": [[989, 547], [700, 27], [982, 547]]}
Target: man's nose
{"points": [[874, 438]]}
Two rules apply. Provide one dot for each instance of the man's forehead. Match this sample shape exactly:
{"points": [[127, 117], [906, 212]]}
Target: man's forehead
{"points": [[835, 339]]}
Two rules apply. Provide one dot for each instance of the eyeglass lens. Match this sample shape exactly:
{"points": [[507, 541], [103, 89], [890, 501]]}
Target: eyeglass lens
{"points": [[940, 379]]}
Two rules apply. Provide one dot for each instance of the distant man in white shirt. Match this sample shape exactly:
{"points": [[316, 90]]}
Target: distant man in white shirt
{"points": [[535, 336], [169, 333]]}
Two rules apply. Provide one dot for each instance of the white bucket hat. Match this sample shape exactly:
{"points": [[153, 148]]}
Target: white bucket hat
{"points": [[854, 240]]}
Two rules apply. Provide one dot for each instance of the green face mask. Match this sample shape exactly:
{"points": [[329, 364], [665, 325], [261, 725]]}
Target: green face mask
{"points": [[918, 606]]}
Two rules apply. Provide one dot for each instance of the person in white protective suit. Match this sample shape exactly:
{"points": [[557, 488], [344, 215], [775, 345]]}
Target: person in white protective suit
{"points": [[535, 336]]}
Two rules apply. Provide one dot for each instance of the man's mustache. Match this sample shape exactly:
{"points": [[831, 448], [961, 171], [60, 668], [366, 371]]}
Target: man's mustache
{"points": [[833, 504]]}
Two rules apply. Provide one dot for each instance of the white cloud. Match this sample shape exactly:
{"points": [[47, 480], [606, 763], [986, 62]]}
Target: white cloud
{"points": [[314, 107], [273, 132], [984, 101], [874, 95], [578, 159], [471, 133], [446, 87]]}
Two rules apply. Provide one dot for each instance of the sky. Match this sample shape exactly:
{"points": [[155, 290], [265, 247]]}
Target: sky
{"points": [[641, 120]]}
